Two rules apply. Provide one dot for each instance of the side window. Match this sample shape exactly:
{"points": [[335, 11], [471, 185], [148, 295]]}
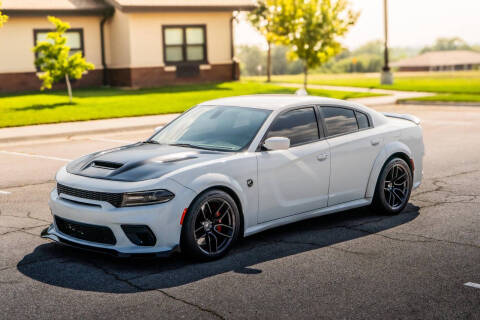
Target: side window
{"points": [[300, 126], [339, 120], [362, 120]]}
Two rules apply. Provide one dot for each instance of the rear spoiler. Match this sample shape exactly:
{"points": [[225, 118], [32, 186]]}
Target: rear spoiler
{"points": [[408, 117]]}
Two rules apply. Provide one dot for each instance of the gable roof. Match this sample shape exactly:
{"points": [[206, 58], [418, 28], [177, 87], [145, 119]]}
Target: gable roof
{"points": [[441, 58], [96, 7], [183, 5], [54, 6]]}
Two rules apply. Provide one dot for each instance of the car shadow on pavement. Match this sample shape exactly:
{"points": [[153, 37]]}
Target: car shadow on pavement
{"points": [[71, 268]]}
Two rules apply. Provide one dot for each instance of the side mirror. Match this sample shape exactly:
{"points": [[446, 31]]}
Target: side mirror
{"points": [[157, 129], [277, 143]]}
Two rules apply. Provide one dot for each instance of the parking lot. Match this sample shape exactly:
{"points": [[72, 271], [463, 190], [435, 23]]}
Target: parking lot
{"points": [[351, 265]]}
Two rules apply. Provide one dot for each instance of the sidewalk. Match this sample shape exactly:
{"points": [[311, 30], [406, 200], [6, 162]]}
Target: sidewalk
{"points": [[70, 129], [391, 96]]}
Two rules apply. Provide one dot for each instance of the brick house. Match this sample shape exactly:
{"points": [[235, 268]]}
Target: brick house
{"points": [[132, 43]]}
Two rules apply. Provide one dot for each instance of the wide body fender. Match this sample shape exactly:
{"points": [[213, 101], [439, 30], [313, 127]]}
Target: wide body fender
{"points": [[232, 175], [387, 151]]}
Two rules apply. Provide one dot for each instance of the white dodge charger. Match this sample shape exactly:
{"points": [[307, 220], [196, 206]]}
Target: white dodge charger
{"points": [[234, 167]]}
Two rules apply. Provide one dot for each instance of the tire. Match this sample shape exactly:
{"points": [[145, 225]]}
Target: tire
{"points": [[393, 188], [211, 226]]}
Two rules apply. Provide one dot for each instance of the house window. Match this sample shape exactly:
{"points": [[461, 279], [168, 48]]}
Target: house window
{"points": [[74, 39], [184, 44]]}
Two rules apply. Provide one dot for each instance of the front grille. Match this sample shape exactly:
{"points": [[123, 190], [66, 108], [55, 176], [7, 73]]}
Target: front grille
{"points": [[115, 199], [88, 232]]}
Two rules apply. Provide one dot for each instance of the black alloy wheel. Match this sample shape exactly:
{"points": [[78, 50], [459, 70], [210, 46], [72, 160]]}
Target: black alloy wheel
{"points": [[393, 187], [211, 226]]}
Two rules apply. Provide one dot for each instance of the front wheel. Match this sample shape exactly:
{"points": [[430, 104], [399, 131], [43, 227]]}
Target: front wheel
{"points": [[211, 226], [393, 187]]}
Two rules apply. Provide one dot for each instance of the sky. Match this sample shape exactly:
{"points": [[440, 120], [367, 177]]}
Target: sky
{"points": [[413, 23]]}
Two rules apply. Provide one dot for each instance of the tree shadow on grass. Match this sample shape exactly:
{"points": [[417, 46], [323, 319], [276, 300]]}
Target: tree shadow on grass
{"points": [[74, 269], [115, 91], [38, 107]]}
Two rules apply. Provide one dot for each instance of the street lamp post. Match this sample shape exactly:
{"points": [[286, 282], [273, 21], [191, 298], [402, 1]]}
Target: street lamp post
{"points": [[387, 76]]}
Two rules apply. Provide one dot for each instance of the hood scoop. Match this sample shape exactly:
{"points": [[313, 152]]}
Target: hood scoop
{"points": [[139, 162], [106, 165]]}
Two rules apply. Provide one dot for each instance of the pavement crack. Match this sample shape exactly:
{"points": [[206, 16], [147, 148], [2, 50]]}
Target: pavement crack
{"points": [[428, 239], [27, 185], [29, 215], [168, 295], [441, 240], [24, 229]]}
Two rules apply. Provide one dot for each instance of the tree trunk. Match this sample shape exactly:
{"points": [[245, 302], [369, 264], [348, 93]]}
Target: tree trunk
{"points": [[305, 76], [269, 62], [69, 88]]}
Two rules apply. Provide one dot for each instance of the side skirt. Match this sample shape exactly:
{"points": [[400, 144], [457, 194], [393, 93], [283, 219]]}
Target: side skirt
{"points": [[307, 215]]}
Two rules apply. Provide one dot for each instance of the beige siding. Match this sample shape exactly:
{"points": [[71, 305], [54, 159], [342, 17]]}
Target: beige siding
{"points": [[146, 35], [117, 41], [16, 41]]}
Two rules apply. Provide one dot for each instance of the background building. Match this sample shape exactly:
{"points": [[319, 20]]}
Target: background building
{"points": [[440, 61]]}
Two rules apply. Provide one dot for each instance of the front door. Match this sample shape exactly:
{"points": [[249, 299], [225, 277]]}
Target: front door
{"points": [[296, 180]]}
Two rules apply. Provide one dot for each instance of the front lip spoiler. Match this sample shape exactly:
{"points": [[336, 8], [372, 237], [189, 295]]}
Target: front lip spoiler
{"points": [[111, 252]]}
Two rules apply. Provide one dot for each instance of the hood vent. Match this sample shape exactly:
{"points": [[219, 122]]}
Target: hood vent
{"points": [[106, 165]]}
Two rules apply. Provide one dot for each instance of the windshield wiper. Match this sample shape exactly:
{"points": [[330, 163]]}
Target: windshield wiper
{"points": [[188, 145], [151, 142]]}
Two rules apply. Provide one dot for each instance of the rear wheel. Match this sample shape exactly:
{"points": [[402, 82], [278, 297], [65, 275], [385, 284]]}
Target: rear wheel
{"points": [[211, 226], [393, 187]]}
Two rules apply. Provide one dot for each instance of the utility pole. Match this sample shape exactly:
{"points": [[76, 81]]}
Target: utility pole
{"points": [[387, 76]]}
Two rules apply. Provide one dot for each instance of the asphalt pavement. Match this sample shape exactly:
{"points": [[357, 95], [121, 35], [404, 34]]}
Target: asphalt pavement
{"points": [[421, 264]]}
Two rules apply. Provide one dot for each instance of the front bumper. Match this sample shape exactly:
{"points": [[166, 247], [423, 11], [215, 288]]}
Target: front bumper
{"points": [[49, 233], [162, 219]]}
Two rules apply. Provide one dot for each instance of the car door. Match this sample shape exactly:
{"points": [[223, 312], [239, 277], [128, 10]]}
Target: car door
{"points": [[295, 180], [353, 149]]}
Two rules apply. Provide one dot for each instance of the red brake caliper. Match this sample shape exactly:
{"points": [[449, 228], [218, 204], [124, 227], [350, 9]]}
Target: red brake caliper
{"points": [[219, 228]]}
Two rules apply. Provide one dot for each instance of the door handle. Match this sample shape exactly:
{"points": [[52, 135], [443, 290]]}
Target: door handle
{"points": [[322, 157], [375, 142]]}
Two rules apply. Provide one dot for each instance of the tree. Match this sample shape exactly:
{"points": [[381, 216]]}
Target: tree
{"points": [[312, 28], [252, 60], [54, 60], [263, 18], [3, 18], [444, 44]]}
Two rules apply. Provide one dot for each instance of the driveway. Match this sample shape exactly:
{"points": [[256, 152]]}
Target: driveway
{"points": [[351, 265]]}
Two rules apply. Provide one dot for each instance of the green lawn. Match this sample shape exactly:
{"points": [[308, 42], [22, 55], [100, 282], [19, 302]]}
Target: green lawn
{"points": [[52, 107], [467, 82]]}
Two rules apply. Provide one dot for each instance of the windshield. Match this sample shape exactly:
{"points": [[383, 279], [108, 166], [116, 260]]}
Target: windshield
{"points": [[213, 127]]}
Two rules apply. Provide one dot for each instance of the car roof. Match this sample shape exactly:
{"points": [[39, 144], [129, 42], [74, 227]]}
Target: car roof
{"points": [[279, 102], [273, 101]]}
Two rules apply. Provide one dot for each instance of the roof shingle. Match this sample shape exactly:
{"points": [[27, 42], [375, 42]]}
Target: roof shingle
{"points": [[53, 4], [133, 5], [441, 58]]}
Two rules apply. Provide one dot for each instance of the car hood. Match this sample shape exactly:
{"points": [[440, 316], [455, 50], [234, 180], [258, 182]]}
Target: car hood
{"points": [[140, 161]]}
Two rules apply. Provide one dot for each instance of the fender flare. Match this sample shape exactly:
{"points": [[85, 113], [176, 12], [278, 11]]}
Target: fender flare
{"points": [[218, 180], [387, 151]]}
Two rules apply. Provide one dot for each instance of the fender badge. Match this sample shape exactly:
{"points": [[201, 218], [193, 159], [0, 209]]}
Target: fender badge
{"points": [[249, 183]]}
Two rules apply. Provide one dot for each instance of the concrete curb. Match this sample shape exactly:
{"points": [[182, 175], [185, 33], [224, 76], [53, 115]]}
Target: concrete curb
{"points": [[439, 103], [82, 128]]}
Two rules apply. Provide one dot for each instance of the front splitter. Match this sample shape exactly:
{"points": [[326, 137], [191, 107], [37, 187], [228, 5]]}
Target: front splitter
{"points": [[47, 234]]}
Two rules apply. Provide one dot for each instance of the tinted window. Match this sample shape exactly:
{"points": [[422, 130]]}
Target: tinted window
{"points": [[300, 126], [339, 120], [214, 127], [362, 120]]}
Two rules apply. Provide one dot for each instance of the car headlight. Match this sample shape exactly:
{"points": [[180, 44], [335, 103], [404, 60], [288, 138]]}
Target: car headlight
{"points": [[140, 198]]}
